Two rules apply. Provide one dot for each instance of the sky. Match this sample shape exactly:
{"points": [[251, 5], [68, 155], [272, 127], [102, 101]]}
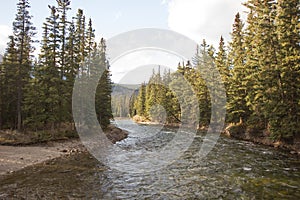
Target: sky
{"points": [[196, 19]]}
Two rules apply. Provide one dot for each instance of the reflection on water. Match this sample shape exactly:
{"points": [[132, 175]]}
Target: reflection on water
{"points": [[232, 170]]}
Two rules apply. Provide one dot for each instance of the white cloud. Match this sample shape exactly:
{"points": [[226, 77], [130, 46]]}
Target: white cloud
{"points": [[136, 67], [203, 19], [5, 31]]}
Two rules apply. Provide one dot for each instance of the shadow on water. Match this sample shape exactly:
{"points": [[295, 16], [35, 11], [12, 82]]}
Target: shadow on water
{"points": [[232, 170]]}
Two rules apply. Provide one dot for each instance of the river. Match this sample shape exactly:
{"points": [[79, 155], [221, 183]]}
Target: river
{"points": [[232, 170]]}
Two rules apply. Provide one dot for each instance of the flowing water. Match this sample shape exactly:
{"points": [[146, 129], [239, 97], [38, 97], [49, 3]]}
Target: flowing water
{"points": [[232, 170]]}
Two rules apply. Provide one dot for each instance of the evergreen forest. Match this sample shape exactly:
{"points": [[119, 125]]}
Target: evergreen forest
{"points": [[36, 92], [259, 68]]}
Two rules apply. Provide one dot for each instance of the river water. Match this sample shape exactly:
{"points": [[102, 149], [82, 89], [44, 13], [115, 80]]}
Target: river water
{"points": [[232, 170]]}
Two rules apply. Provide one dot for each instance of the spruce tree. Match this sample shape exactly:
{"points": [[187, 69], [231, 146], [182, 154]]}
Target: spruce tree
{"points": [[150, 94], [132, 100], [9, 66], [286, 113], [23, 32], [104, 89], [80, 37], [62, 8], [141, 101], [171, 104], [204, 60], [72, 65], [47, 75], [221, 63], [90, 41], [237, 92], [260, 59]]}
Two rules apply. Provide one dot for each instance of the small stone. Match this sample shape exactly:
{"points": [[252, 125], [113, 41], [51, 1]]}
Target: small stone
{"points": [[276, 144], [247, 168], [293, 152]]}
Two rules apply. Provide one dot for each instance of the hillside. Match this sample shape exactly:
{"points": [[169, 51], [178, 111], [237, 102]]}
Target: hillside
{"points": [[121, 97]]}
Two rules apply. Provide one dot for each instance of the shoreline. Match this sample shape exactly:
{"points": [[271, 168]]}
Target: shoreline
{"points": [[16, 157], [292, 148]]}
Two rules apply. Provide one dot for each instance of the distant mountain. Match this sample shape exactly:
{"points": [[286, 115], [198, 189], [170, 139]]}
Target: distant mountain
{"points": [[123, 89], [120, 99]]}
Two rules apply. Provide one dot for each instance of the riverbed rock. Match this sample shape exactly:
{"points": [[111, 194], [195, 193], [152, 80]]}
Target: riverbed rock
{"points": [[115, 134]]}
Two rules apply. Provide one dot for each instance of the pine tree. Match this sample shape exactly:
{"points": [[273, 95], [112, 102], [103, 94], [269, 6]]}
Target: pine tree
{"points": [[132, 102], [104, 89], [65, 104], [150, 94], [9, 82], [23, 32], [155, 110], [195, 80], [72, 65], [251, 67], [237, 92], [171, 104], [261, 59], [90, 40], [221, 63], [141, 101], [47, 77], [286, 113], [204, 62], [35, 107], [63, 7], [80, 37]]}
